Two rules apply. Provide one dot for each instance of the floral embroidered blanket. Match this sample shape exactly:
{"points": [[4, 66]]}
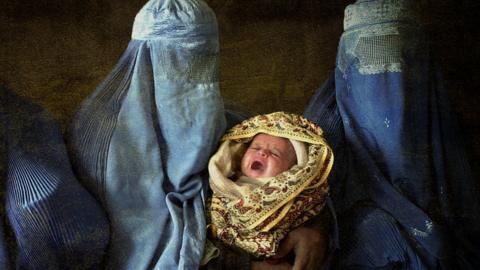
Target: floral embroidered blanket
{"points": [[256, 219]]}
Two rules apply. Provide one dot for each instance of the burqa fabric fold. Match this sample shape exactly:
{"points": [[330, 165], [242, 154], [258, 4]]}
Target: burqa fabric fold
{"points": [[142, 139], [49, 220], [402, 186]]}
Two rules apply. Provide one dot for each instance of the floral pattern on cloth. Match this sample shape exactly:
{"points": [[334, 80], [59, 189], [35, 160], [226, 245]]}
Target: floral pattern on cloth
{"points": [[257, 219]]}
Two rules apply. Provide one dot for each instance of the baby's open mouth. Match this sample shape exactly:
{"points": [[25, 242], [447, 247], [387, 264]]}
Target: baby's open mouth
{"points": [[256, 165]]}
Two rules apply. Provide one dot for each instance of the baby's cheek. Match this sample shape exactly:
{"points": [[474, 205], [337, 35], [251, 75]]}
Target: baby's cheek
{"points": [[285, 166], [244, 164], [275, 168], [244, 160]]}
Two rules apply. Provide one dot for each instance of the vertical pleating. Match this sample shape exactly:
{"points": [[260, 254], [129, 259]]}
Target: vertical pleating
{"points": [[91, 135], [56, 223]]}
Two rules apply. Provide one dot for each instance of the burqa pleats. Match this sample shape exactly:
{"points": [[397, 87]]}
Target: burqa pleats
{"points": [[49, 220]]}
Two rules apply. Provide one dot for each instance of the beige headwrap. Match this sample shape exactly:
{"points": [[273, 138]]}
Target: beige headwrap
{"points": [[255, 214]]}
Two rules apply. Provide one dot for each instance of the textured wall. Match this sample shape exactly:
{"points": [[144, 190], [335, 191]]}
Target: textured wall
{"points": [[274, 53]]}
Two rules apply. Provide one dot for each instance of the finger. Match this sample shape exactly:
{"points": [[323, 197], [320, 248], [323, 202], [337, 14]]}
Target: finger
{"points": [[308, 261], [283, 266], [265, 266], [286, 246], [312, 264], [302, 260]]}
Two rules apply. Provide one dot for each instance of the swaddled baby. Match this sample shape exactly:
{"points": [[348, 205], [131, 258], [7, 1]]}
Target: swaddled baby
{"points": [[268, 176], [267, 156]]}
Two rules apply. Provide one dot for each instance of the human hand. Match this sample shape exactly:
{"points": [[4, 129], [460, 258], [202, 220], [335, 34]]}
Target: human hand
{"points": [[309, 246], [263, 265]]}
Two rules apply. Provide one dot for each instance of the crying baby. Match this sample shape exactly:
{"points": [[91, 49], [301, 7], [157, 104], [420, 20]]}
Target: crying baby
{"points": [[269, 155], [268, 176]]}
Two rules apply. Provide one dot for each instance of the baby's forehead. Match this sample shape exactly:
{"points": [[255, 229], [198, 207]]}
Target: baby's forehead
{"points": [[268, 137], [272, 139]]}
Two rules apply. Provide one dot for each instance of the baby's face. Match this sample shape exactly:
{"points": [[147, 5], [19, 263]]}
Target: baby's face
{"points": [[267, 156]]}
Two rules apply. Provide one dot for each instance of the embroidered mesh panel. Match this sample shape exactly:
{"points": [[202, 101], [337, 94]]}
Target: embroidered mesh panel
{"points": [[379, 54]]}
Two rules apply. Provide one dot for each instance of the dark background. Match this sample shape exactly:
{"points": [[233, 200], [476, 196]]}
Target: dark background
{"points": [[274, 53]]}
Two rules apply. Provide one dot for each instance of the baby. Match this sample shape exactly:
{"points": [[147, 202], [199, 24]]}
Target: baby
{"points": [[268, 156], [267, 177]]}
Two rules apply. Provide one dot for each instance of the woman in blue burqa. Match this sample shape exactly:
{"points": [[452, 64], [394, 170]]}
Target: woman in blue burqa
{"points": [[47, 219], [142, 139], [403, 189]]}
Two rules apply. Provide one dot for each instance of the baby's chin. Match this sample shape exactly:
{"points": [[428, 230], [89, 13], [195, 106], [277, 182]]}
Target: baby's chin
{"points": [[252, 175]]}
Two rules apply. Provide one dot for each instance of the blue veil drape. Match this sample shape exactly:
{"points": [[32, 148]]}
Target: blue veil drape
{"points": [[48, 220], [402, 186], [142, 139]]}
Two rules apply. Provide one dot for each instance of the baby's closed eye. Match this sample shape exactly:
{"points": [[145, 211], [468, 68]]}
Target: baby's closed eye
{"points": [[276, 154]]}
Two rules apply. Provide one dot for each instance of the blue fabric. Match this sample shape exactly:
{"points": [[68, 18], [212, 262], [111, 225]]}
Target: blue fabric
{"points": [[371, 225], [142, 139], [4, 256], [398, 149], [4, 263], [53, 222]]}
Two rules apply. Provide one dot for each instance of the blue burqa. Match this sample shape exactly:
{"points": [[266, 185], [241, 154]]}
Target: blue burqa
{"points": [[402, 187], [141, 140], [47, 219]]}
